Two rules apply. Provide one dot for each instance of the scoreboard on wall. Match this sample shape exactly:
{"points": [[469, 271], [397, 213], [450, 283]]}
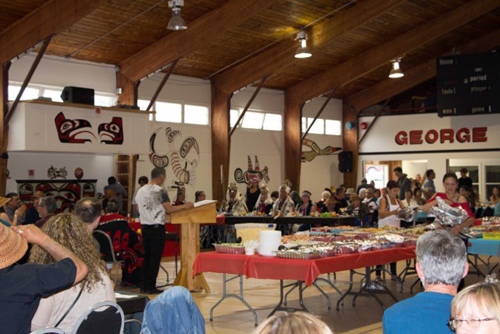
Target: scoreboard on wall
{"points": [[468, 84]]}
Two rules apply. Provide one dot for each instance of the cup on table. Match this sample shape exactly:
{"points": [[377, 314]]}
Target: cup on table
{"points": [[249, 251]]}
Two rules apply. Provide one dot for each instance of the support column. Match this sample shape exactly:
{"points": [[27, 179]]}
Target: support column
{"points": [[220, 106], [293, 147], [350, 142], [130, 90], [4, 127]]}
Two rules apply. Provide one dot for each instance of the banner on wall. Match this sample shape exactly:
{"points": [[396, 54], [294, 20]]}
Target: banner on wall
{"points": [[428, 133], [41, 126]]}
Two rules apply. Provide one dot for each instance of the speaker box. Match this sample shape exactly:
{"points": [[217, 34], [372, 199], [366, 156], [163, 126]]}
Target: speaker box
{"points": [[78, 95], [345, 162]]}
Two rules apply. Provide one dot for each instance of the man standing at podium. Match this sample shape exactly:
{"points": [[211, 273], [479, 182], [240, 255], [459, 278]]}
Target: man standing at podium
{"points": [[153, 202]]}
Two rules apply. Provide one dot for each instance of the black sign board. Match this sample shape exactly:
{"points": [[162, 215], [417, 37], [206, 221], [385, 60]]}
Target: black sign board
{"points": [[468, 84]]}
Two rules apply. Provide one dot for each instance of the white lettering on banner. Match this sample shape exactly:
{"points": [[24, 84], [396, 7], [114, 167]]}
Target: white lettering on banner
{"points": [[463, 135]]}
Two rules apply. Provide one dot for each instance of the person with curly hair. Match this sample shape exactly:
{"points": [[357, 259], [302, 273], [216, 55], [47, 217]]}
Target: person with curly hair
{"points": [[69, 231]]}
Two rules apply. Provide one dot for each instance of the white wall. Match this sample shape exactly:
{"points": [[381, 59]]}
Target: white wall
{"points": [[267, 145], [414, 167], [381, 139], [61, 72]]}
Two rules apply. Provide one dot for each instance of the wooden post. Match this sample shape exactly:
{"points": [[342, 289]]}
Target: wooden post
{"points": [[4, 126], [162, 83], [350, 142], [130, 90], [293, 145], [220, 103]]}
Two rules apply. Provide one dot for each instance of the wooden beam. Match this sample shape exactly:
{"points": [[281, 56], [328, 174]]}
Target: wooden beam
{"points": [[51, 18], [220, 106], [350, 142], [162, 84], [368, 61], [200, 33], [418, 74], [249, 103], [293, 144], [4, 126], [282, 54], [27, 80]]}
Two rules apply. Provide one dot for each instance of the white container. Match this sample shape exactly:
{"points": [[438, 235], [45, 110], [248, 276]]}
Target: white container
{"points": [[249, 251], [269, 241]]}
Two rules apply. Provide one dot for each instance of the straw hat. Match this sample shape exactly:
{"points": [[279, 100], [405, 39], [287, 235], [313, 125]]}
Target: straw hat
{"points": [[12, 246], [4, 200], [350, 191]]}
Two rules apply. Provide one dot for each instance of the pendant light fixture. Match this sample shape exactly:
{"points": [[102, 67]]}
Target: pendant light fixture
{"points": [[396, 71], [176, 22], [303, 51]]}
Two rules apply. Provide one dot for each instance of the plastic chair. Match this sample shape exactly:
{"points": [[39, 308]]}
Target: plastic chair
{"points": [[48, 330], [105, 317], [106, 243]]}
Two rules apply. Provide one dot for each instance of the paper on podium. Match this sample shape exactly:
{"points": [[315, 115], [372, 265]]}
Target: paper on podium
{"points": [[205, 202]]}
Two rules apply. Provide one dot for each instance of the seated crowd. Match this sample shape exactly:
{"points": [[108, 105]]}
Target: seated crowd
{"points": [[65, 273]]}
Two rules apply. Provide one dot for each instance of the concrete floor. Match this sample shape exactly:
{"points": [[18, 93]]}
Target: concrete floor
{"points": [[232, 317]]}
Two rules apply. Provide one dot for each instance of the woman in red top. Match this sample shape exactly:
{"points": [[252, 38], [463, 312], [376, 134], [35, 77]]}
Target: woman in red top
{"points": [[453, 199]]}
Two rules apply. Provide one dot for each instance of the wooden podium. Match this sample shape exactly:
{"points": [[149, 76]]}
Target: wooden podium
{"points": [[190, 221]]}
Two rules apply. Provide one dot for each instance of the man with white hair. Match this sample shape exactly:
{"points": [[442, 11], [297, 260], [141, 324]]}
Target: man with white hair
{"points": [[442, 263]]}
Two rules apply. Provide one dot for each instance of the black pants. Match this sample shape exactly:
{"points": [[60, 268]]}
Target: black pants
{"points": [[393, 269], [153, 242]]}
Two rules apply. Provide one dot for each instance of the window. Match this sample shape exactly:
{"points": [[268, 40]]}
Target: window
{"points": [[55, 95], [30, 93], [492, 180], [253, 120], [168, 112], [272, 122], [304, 124], [104, 100], [318, 126], [195, 115], [234, 114], [333, 127]]}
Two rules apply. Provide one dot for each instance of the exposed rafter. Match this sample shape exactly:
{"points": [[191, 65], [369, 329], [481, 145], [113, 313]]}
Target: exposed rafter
{"points": [[368, 61], [282, 54], [200, 33], [416, 75], [51, 18]]}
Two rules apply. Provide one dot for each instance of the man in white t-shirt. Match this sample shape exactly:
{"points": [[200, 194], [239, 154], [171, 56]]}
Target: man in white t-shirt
{"points": [[153, 202]]}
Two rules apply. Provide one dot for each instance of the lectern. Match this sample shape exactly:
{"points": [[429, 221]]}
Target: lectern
{"points": [[190, 221]]}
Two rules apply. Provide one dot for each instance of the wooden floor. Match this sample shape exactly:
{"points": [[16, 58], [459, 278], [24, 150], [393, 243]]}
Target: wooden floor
{"points": [[232, 317]]}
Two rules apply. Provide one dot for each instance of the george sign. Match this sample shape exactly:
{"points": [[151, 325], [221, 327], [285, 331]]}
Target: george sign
{"points": [[430, 133], [463, 135], [41, 126]]}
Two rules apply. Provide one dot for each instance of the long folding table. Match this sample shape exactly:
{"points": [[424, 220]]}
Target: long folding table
{"points": [[304, 272]]}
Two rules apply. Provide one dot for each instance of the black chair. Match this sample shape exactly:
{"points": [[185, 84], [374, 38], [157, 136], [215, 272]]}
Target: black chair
{"points": [[102, 318], [172, 236], [106, 247]]}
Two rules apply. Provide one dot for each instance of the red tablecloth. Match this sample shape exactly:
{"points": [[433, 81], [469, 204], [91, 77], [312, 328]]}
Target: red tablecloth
{"points": [[261, 267]]}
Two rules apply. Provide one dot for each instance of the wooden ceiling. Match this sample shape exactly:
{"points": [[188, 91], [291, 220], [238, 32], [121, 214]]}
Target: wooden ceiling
{"points": [[122, 31]]}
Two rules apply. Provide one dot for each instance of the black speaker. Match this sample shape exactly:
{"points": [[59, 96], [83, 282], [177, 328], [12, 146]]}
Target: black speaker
{"points": [[345, 161], [78, 95]]}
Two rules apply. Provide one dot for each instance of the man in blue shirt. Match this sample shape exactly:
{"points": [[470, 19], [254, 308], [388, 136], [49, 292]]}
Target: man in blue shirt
{"points": [[442, 263]]}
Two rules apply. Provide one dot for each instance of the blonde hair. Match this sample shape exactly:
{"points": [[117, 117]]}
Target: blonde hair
{"points": [[484, 297], [293, 323], [72, 233]]}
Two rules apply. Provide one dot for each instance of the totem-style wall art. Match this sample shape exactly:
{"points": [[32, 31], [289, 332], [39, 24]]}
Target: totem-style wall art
{"points": [[56, 173], [245, 177], [43, 126], [181, 154], [308, 156], [65, 192]]}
